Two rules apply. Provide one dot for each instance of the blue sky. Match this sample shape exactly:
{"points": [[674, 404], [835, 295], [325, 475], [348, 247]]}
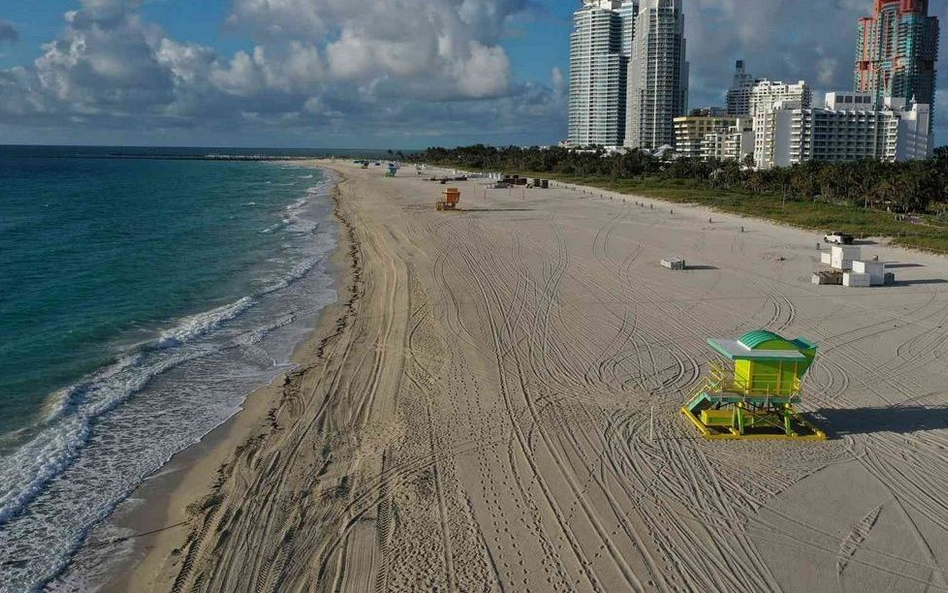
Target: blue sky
{"points": [[335, 73]]}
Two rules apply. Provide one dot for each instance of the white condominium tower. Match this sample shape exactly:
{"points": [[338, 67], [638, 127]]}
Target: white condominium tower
{"points": [[851, 127], [658, 75], [765, 95], [598, 64]]}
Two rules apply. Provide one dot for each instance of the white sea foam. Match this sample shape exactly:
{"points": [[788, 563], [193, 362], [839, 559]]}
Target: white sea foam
{"points": [[200, 324], [103, 436], [252, 338], [298, 204], [321, 187], [295, 274], [27, 470], [275, 227]]}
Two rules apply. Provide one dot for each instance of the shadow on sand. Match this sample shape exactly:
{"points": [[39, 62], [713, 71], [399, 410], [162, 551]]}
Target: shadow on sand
{"points": [[900, 266], [495, 210], [838, 423], [919, 282]]}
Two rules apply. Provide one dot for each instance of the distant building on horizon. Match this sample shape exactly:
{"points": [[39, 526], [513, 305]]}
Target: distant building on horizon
{"points": [[711, 133], [765, 96], [850, 127], [658, 75], [598, 65], [739, 95], [628, 10], [735, 145], [692, 131], [896, 52]]}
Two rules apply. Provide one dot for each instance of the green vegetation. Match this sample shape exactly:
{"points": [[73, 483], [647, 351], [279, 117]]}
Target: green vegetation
{"points": [[906, 202]]}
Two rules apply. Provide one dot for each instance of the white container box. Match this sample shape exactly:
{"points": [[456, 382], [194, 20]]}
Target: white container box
{"points": [[856, 280], [827, 258], [843, 256], [875, 269], [674, 263]]}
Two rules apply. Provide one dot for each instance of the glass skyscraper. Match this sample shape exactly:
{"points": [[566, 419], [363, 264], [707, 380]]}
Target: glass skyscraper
{"points": [[896, 52], [658, 75], [598, 65]]}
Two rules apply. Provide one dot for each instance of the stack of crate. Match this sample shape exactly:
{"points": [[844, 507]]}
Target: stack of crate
{"points": [[869, 273], [841, 257]]}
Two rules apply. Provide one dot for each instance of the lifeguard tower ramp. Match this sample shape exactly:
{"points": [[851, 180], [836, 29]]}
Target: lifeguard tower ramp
{"points": [[754, 392]]}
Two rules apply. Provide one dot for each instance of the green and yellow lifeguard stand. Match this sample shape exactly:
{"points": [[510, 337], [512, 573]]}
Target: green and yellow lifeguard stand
{"points": [[754, 393]]}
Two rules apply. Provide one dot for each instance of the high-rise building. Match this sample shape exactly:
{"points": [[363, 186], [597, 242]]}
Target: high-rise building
{"points": [[658, 75], [896, 51], [712, 134], [739, 95], [765, 94], [597, 72], [850, 127], [628, 10], [739, 143], [732, 144]]}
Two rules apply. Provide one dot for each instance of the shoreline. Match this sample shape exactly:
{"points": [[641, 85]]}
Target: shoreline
{"points": [[160, 520]]}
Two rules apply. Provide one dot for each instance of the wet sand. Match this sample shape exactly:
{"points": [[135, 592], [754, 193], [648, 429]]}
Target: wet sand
{"points": [[493, 406]]}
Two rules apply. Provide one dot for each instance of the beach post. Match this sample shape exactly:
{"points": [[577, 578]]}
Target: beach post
{"points": [[651, 425]]}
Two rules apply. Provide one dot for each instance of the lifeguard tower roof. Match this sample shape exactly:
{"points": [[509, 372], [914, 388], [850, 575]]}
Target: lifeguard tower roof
{"points": [[762, 345]]}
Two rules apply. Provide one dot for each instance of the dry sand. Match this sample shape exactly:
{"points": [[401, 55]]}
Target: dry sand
{"points": [[493, 406]]}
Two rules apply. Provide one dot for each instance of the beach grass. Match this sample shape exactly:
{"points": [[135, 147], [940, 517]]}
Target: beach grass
{"points": [[819, 217]]}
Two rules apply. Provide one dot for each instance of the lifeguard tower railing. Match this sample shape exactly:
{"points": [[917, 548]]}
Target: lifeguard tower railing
{"points": [[723, 385]]}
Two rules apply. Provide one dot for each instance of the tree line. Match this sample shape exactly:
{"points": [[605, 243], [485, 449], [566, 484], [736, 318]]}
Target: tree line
{"points": [[909, 187]]}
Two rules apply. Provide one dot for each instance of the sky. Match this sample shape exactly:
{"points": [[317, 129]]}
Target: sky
{"points": [[370, 74]]}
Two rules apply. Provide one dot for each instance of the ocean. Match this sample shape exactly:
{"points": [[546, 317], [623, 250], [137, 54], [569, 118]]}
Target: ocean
{"points": [[141, 301]]}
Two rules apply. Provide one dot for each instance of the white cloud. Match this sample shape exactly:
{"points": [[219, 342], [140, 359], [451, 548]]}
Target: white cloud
{"points": [[439, 49], [485, 73], [826, 71], [405, 66], [558, 80], [313, 60]]}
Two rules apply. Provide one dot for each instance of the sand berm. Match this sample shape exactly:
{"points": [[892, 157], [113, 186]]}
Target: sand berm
{"points": [[493, 406]]}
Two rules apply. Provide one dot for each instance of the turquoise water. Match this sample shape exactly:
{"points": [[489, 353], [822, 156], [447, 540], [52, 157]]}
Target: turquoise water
{"points": [[140, 301]]}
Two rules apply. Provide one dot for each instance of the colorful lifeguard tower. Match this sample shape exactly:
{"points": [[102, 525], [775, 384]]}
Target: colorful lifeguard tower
{"points": [[449, 199], [753, 395]]}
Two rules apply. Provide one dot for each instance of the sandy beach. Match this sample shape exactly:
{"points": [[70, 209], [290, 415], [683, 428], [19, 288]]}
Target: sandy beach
{"points": [[493, 406]]}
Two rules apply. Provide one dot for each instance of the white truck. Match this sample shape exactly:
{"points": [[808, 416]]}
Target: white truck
{"points": [[838, 238]]}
